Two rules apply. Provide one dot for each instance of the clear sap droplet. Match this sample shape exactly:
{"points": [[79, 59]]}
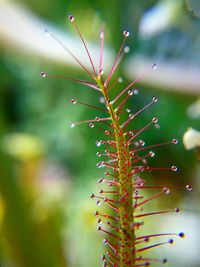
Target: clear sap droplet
{"points": [[174, 168], [71, 18], [91, 125], [175, 141], [72, 125], [43, 74], [128, 110], [126, 33], [136, 91], [98, 154], [107, 132], [154, 66], [126, 49], [188, 187], [97, 119]]}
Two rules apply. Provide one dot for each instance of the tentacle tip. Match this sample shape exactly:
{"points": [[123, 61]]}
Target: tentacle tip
{"points": [[177, 210], [72, 125], [189, 187], [71, 18], [126, 33], [182, 235], [164, 261], [154, 66], [43, 74], [155, 120], [174, 168]]}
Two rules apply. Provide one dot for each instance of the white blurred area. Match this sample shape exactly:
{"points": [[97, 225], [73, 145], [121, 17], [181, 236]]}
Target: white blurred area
{"points": [[23, 31]]}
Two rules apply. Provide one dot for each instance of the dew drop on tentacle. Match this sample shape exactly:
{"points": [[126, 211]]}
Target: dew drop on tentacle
{"points": [[131, 116], [151, 154], [155, 99], [43, 74], [174, 168], [182, 235], [141, 142], [98, 154], [177, 210], [71, 18], [97, 119], [155, 120], [188, 187], [99, 165], [133, 92], [91, 125], [126, 33], [98, 203], [130, 92], [98, 143], [73, 101], [72, 125], [154, 66], [175, 141], [166, 191], [101, 72]]}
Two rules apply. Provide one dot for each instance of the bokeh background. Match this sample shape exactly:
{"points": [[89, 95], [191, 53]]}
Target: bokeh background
{"points": [[47, 169]]}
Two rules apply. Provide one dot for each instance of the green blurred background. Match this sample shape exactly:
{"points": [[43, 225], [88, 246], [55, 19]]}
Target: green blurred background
{"points": [[47, 169]]}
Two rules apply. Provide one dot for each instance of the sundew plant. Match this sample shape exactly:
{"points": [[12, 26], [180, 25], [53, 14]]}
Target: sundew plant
{"points": [[125, 158]]}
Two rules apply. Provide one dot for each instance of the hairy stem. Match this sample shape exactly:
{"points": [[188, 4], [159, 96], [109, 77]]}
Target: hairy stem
{"points": [[126, 223]]}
